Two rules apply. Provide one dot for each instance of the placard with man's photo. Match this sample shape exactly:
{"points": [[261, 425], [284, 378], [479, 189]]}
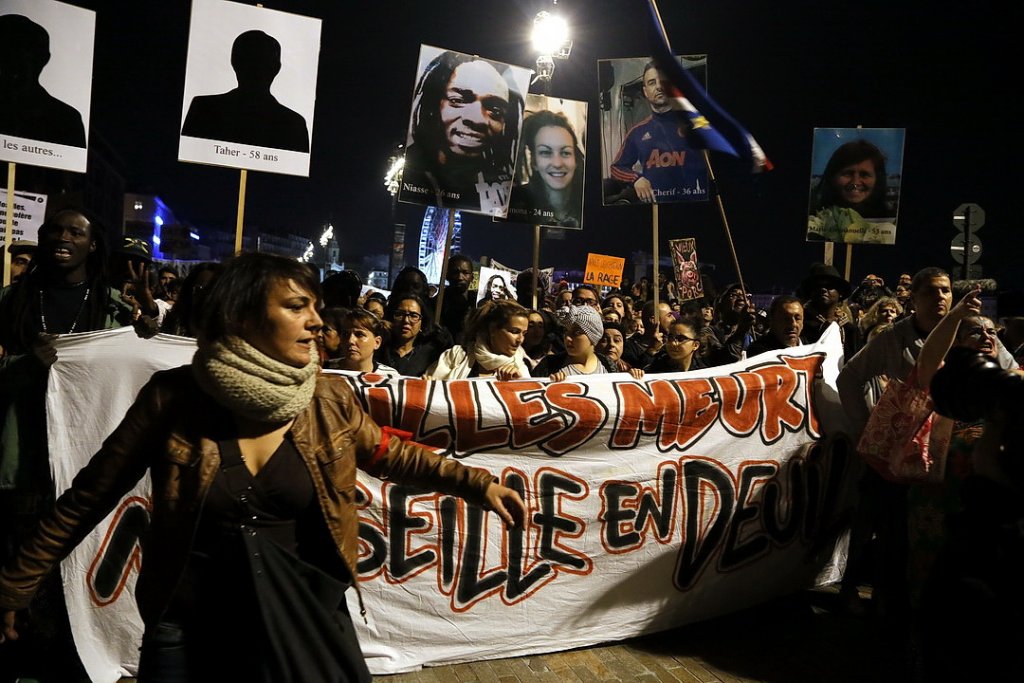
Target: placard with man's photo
{"points": [[467, 115], [645, 156]]}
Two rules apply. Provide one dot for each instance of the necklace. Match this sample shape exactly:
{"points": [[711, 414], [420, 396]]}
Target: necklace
{"points": [[42, 312]]}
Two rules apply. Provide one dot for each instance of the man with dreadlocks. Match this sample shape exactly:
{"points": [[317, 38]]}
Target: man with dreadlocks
{"points": [[463, 134], [65, 291]]}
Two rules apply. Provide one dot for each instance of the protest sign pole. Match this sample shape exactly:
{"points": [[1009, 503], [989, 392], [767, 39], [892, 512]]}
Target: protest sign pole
{"points": [[241, 212], [654, 270], [9, 227], [725, 222], [849, 259], [536, 262], [828, 258], [449, 228]]}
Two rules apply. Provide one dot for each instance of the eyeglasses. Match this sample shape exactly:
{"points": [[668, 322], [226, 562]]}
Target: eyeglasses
{"points": [[679, 338], [977, 332], [411, 316], [580, 301]]}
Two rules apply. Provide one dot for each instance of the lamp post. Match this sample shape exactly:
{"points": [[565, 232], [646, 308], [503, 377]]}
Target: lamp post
{"points": [[393, 182], [550, 38]]}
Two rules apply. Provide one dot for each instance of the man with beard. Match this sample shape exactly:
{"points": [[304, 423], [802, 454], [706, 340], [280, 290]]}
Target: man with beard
{"points": [[785, 323], [668, 168]]}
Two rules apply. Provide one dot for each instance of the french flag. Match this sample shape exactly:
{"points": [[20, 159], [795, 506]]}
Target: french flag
{"points": [[711, 127]]}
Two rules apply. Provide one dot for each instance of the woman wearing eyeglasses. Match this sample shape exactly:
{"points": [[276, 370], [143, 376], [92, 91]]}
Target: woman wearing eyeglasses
{"points": [[679, 354], [415, 341]]}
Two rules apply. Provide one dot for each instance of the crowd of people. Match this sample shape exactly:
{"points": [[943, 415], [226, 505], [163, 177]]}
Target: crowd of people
{"points": [[277, 316]]}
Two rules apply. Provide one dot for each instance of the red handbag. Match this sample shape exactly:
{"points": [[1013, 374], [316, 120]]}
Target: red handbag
{"points": [[905, 440]]}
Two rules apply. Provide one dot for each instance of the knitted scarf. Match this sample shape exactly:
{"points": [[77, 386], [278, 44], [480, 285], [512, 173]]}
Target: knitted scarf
{"points": [[490, 361], [252, 384]]}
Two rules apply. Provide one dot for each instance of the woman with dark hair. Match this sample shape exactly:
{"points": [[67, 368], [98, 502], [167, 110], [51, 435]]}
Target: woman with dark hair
{"points": [[542, 333], [497, 288], [854, 178], [415, 341], [680, 353], [253, 534], [375, 303], [330, 334], [411, 280], [360, 334], [553, 195], [183, 316], [64, 292], [492, 345]]}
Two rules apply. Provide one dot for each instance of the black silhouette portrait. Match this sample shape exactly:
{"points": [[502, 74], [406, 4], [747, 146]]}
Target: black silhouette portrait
{"points": [[29, 111], [249, 114]]}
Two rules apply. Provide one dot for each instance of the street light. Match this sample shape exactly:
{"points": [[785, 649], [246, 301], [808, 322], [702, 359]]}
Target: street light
{"points": [[551, 41], [393, 176]]}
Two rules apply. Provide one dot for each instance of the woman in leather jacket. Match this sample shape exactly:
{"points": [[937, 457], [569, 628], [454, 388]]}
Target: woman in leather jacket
{"points": [[252, 454]]}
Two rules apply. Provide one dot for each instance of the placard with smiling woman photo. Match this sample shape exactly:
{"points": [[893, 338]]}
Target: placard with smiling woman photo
{"points": [[551, 164], [855, 183]]}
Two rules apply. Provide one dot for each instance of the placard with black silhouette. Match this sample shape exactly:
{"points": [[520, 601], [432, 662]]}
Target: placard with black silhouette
{"points": [[855, 185], [250, 88], [548, 188], [645, 156], [46, 50], [463, 132]]}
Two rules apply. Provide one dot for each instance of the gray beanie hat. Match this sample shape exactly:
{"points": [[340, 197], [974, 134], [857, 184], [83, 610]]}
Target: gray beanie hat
{"points": [[586, 317]]}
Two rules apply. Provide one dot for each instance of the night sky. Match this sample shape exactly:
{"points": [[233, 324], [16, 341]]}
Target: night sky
{"points": [[781, 69]]}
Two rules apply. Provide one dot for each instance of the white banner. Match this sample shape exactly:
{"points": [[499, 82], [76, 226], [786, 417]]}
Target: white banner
{"points": [[652, 503], [29, 212]]}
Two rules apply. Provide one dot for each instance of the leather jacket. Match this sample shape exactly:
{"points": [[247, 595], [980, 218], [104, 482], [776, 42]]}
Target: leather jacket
{"points": [[172, 431]]}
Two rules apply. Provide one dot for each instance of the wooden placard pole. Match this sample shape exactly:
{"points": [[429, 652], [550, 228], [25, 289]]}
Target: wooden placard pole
{"points": [[657, 257], [536, 263], [448, 230], [849, 261], [725, 222], [829, 256], [241, 211], [9, 227]]}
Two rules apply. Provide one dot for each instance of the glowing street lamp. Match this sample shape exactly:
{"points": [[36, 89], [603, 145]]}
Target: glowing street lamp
{"points": [[393, 177], [551, 41]]}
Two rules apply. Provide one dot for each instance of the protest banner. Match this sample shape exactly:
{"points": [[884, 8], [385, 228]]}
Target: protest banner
{"points": [[603, 271], [651, 503]]}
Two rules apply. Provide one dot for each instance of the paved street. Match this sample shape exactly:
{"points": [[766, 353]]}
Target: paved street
{"points": [[796, 639]]}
